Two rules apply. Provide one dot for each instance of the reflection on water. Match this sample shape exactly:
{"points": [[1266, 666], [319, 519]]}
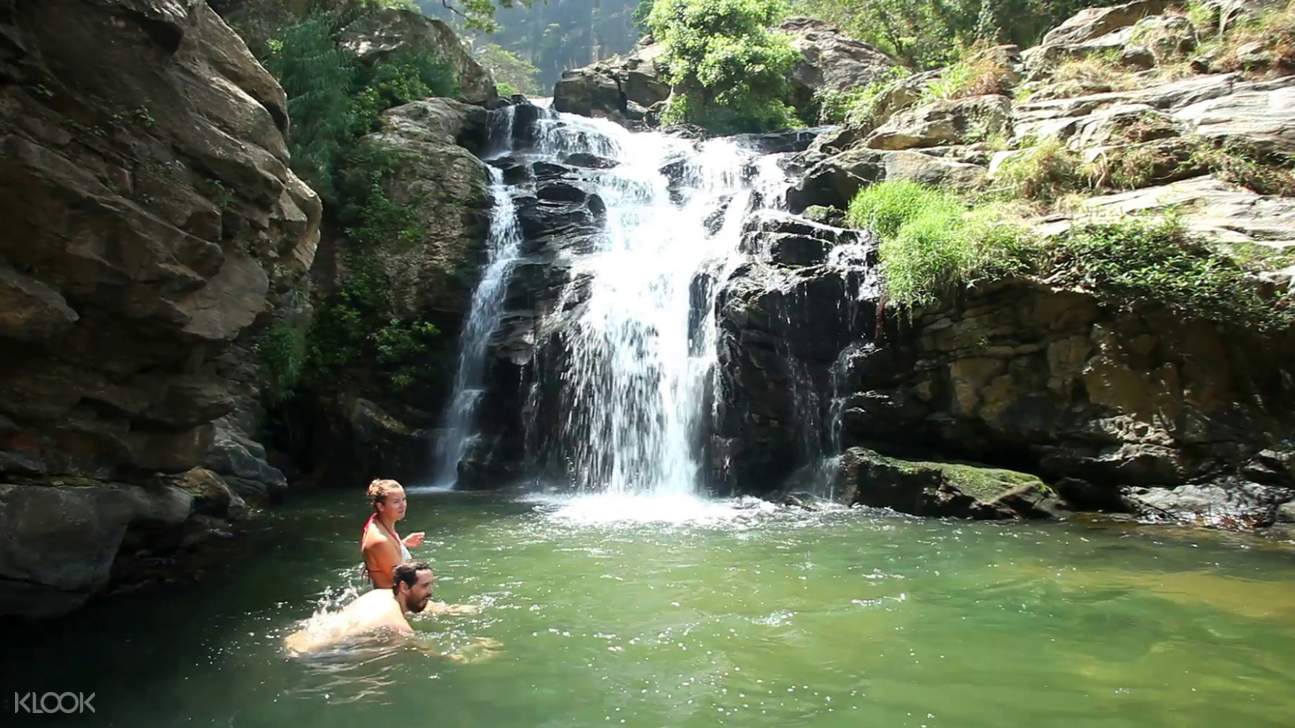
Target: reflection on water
{"points": [[707, 612]]}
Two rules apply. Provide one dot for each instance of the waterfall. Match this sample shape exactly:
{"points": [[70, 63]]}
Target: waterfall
{"points": [[639, 349], [503, 243]]}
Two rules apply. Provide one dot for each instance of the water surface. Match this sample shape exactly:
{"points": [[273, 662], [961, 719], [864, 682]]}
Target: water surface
{"points": [[713, 613]]}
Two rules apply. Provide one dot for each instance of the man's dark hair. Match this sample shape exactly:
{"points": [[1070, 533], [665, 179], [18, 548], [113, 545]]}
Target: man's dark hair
{"points": [[407, 573]]}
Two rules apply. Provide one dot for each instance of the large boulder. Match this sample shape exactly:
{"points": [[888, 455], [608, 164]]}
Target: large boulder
{"points": [[620, 88], [1234, 505], [834, 180], [1090, 31], [58, 544], [960, 490], [435, 173], [830, 60], [944, 122]]}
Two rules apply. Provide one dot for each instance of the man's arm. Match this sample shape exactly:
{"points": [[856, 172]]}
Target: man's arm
{"points": [[443, 608]]}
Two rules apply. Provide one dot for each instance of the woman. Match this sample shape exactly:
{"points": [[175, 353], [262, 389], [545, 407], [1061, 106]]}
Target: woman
{"points": [[382, 547]]}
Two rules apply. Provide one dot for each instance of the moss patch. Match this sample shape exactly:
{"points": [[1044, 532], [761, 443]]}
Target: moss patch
{"points": [[983, 483]]}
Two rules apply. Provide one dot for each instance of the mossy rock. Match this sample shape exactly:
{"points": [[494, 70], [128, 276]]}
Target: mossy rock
{"points": [[943, 489]]}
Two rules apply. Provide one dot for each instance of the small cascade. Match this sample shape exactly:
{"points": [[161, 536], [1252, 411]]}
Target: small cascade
{"points": [[502, 245]]}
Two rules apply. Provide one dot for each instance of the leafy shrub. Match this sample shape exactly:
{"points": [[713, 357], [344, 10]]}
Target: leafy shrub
{"points": [[1272, 32], [885, 207], [317, 77], [980, 72], [1041, 172], [1157, 261], [855, 106], [332, 101], [281, 354], [928, 34], [399, 80], [1238, 163]]}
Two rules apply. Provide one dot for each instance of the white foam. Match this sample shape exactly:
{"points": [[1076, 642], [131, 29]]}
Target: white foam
{"points": [[629, 508]]}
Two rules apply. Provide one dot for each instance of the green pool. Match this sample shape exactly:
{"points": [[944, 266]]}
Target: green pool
{"points": [[707, 613]]}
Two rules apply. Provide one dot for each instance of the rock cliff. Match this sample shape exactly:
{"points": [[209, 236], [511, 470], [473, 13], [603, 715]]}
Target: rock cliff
{"points": [[151, 219]]}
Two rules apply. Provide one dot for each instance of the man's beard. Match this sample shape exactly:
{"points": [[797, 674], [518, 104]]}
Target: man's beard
{"points": [[419, 606]]}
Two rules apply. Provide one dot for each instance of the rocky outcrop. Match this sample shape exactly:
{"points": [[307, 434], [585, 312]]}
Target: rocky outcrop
{"points": [[438, 176], [151, 217], [626, 88], [369, 31], [620, 88], [959, 490], [1120, 409], [941, 123], [830, 60], [1090, 31], [559, 218], [366, 426], [784, 319], [1044, 380], [381, 33]]}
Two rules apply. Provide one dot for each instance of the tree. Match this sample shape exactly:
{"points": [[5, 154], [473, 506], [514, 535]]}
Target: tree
{"points": [[317, 77], [727, 67]]}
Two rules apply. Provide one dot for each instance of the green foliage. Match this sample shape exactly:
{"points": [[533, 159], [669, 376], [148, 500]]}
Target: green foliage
{"points": [[931, 242], [317, 77], [369, 216], [332, 101], [1271, 33], [854, 106], [281, 353], [979, 72], [884, 208], [1265, 173], [1157, 261], [399, 80], [477, 15], [728, 69], [356, 325], [1043, 172], [932, 33], [642, 12]]}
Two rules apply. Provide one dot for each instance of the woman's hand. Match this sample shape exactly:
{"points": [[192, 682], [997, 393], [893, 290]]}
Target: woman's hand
{"points": [[414, 539]]}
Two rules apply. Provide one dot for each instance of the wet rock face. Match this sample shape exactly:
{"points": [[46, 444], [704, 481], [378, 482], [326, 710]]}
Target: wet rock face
{"points": [[150, 220], [559, 218], [784, 319]]}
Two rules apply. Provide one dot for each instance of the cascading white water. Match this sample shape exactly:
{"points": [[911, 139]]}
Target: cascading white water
{"points": [[634, 385], [637, 373], [503, 243]]}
